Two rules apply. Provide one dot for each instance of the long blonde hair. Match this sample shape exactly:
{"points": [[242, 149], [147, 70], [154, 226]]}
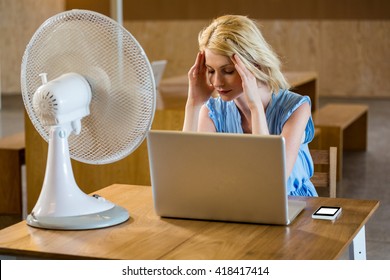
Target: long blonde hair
{"points": [[235, 34]]}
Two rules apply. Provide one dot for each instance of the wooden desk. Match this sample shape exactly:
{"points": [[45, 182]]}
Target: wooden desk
{"points": [[147, 236], [173, 91]]}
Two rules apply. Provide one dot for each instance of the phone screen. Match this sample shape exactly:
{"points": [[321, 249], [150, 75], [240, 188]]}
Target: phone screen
{"points": [[327, 211]]}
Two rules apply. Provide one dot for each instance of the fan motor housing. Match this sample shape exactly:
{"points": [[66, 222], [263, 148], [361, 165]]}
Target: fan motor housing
{"points": [[62, 100]]}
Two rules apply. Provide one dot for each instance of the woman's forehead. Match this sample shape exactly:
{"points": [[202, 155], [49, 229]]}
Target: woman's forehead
{"points": [[216, 60]]}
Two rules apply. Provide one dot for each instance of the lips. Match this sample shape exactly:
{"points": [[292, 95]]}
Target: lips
{"points": [[223, 92]]}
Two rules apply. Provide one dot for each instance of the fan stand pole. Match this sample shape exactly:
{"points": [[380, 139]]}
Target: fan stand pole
{"points": [[116, 10], [61, 204]]}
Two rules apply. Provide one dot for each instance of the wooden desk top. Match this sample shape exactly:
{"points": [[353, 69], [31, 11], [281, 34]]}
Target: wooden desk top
{"points": [[147, 236]]}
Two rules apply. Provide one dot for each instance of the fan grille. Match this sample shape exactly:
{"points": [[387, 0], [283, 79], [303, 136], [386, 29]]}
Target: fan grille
{"points": [[120, 75]]}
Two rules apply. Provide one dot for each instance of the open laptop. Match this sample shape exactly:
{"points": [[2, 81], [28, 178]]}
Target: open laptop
{"points": [[158, 67], [220, 176]]}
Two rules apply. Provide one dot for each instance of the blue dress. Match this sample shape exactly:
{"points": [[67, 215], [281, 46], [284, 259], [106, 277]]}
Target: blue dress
{"points": [[227, 118]]}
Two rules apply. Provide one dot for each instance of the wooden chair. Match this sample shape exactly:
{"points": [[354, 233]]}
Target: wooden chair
{"points": [[325, 169]]}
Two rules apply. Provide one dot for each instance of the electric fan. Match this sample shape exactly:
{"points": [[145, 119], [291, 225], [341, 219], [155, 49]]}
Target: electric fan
{"points": [[89, 91]]}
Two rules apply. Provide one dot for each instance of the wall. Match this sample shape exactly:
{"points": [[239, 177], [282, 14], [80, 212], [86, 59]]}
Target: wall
{"points": [[350, 56], [18, 22], [345, 41]]}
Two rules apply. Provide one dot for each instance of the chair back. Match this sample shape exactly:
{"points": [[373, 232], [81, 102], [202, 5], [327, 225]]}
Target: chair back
{"points": [[325, 171]]}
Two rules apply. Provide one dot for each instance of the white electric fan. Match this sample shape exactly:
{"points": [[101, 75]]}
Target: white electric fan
{"points": [[89, 90]]}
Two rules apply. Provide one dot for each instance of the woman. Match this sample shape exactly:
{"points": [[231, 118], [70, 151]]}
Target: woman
{"points": [[236, 62]]}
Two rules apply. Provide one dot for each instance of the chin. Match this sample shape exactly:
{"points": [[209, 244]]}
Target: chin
{"points": [[226, 97]]}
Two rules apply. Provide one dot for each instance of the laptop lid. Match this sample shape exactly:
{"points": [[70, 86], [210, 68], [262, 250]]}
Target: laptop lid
{"points": [[158, 67], [219, 176]]}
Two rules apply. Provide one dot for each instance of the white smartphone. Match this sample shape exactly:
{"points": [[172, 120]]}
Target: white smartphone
{"points": [[327, 213]]}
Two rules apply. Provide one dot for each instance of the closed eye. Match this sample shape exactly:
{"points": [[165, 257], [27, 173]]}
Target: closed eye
{"points": [[228, 71], [210, 71]]}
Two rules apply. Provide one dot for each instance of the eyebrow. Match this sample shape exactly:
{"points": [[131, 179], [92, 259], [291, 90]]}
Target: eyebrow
{"points": [[223, 66]]}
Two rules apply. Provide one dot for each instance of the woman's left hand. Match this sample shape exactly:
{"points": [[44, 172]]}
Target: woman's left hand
{"points": [[249, 84], [253, 92]]}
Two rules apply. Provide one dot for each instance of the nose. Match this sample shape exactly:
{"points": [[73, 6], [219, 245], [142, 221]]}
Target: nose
{"points": [[217, 80]]}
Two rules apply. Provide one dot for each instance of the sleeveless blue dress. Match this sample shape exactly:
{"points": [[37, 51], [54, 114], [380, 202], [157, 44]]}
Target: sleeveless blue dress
{"points": [[227, 118]]}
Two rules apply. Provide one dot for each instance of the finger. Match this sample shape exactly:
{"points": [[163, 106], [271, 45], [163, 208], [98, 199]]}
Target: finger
{"points": [[194, 67], [194, 70], [242, 66], [203, 59], [191, 72], [201, 62], [239, 66], [237, 60]]}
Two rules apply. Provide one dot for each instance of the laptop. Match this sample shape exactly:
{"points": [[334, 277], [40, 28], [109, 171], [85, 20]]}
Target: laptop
{"points": [[220, 177], [158, 67]]}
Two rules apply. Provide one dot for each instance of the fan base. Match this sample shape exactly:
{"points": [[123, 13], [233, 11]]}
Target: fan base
{"points": [[111, 217]]}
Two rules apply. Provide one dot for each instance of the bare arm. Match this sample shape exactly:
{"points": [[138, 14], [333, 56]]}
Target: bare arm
{"points": [[191, 118], [205, 122], [293, 130]]}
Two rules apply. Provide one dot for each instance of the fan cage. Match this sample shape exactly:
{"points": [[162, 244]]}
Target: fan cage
{"points": [[118, 71]]}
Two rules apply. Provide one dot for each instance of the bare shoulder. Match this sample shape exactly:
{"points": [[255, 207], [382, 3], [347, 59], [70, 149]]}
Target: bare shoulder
{"points": [[205, 122], [303, 111]]}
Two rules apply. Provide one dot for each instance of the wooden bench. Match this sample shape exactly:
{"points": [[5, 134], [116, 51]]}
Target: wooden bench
{"points": [[305, 83], [12, 151], [343, 126]]}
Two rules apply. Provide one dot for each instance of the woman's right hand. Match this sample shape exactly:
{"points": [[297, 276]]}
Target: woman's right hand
{"points": [[199, 90]]}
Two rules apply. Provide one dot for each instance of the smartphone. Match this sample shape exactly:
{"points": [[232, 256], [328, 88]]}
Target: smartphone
{"points": [[327, 213]]}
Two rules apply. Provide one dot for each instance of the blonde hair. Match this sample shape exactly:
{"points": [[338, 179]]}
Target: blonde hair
{"points": [[235, 34]]}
